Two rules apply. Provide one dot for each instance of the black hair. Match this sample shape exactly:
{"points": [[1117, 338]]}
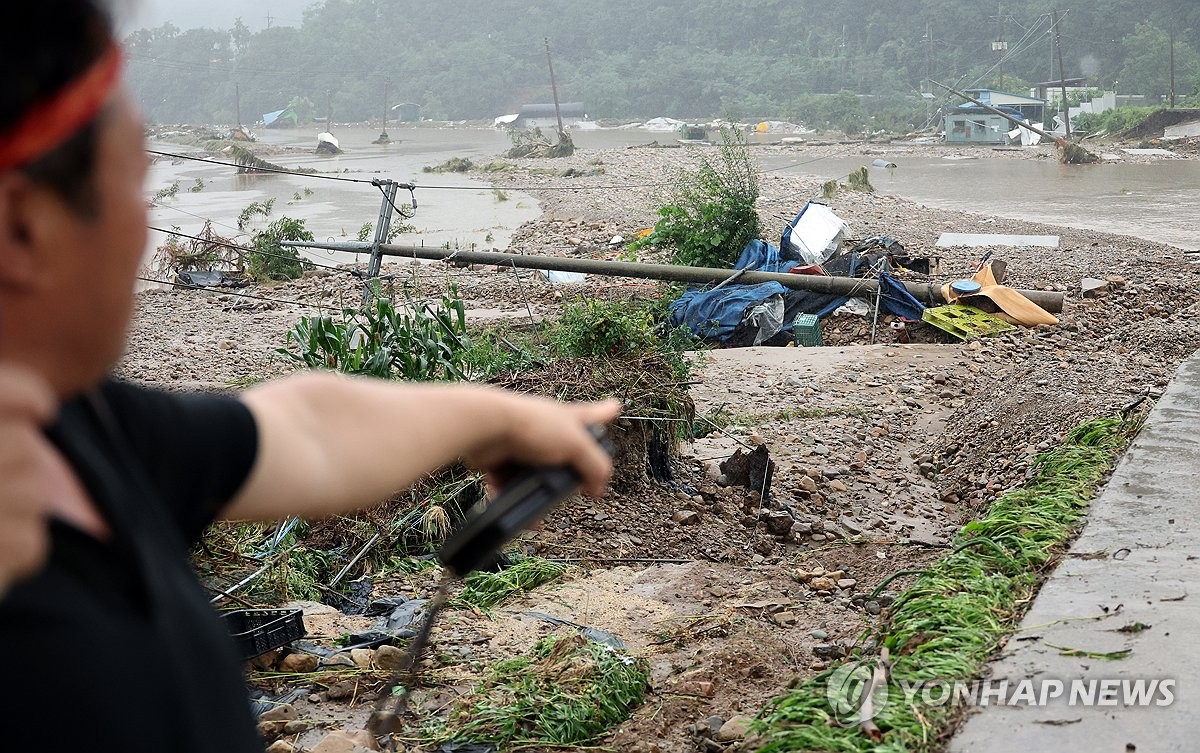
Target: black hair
{"points": [[46, 45]]}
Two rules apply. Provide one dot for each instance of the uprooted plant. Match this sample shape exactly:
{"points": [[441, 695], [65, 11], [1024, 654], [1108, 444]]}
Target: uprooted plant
{"points": [[205, 252], [486, 590], [534, 143]]}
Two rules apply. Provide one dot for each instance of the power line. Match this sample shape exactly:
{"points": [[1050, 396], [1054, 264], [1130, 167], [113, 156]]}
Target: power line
{"points": [[193, 214], [225, 291], [322, 176]]}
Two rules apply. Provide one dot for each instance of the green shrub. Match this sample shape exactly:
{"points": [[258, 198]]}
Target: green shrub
{"points": [[603, 328], [272, 261], [711, 216], [415, 342], [1113, 121], [624, 329]]}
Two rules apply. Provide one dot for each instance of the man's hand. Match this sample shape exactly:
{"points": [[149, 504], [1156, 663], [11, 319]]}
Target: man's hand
{"points": [[330, 444], [26, 404], [544, 432]]}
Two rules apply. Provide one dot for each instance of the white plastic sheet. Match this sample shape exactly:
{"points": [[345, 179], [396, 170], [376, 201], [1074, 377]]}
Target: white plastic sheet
{"points": [[815, 235]]}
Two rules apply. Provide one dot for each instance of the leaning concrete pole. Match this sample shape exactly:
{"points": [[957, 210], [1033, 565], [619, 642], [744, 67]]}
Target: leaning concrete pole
{"points": [[845, 286]]}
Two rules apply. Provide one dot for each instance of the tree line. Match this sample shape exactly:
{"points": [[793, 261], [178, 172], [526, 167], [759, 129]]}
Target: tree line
{"points": [[477, 59]]}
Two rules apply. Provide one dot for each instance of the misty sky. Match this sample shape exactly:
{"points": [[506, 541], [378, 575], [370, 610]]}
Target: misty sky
{"points": [[187, 14]]}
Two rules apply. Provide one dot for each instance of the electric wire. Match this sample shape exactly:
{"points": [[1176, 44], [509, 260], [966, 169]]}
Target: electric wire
{"points": [[322, 176], [226, 291]]}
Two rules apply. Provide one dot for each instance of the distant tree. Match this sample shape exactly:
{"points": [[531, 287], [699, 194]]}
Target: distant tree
{"points": [[1146, 69]]}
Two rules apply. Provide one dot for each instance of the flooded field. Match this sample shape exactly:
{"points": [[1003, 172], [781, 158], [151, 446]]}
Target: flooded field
{"points": [[1158, 201]]}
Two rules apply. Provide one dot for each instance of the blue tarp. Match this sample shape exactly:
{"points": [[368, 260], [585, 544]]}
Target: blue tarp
{"points": [[897, 300], [716, 313]]}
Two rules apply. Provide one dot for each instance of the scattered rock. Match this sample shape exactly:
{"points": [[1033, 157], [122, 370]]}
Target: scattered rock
{"points": [[734, 729], [823, 583], [388, 657], [299, 663], [828, 651], [686, 518], [284, 712], [1090, 287], [362, 657], [346, 742]]}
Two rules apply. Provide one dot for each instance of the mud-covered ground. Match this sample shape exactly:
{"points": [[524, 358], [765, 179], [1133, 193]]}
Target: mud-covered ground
{"points": [[883, 451]]}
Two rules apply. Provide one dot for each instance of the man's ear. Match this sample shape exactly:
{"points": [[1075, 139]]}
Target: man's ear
{"points": [[19, 267]]}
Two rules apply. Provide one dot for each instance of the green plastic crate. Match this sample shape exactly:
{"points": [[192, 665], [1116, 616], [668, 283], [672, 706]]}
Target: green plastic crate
{"points": [[807, 330]]}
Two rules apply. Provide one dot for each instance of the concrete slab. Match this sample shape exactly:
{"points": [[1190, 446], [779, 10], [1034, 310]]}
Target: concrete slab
{"points": [[975, 240], [1187, 130], [1151, 153], [1138, 560]]}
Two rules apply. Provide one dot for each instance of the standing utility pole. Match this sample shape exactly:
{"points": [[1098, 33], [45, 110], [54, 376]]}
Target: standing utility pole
{"points": [[237, 93], [554, 88], [1000, 46], [1172, 32], [1062, 77], [387, 83]]}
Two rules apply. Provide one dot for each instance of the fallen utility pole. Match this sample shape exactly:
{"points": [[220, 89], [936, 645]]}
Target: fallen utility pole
{"points": [[842, 286], [1001, 113]]}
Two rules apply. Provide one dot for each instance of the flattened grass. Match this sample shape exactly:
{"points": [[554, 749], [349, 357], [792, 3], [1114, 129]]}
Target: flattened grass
{"points": [[958, 613]]}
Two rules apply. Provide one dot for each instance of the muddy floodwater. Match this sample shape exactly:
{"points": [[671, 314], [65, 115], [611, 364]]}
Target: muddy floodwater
{"points": [[1159, 201]]}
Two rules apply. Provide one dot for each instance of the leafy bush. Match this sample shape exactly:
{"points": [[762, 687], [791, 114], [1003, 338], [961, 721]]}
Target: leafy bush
{"points": [[608, 329], [1113, 121], [272, 261], [603, 328], [413, 342], [711, 216]]}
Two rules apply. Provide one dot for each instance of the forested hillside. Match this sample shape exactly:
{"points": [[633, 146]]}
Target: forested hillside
{"points": [[628, 58]]}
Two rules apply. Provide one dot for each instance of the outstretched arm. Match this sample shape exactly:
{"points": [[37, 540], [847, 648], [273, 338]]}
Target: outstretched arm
{"points": [[330, 444]]}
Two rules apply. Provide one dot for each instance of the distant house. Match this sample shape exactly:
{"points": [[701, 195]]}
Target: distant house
{"points": [[971, 124], [542, 116], [1051, 91], [285, 118], [1030, 108]]}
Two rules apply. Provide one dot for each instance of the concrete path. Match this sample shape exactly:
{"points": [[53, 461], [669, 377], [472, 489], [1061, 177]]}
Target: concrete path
{"points": [[1138, 560]]}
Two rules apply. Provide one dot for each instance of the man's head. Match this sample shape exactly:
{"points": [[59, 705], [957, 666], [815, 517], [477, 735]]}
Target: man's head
{"points": [[72, 212]]}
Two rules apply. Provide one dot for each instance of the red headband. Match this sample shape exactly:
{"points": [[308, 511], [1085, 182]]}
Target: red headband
{"points": [[60, 116]]}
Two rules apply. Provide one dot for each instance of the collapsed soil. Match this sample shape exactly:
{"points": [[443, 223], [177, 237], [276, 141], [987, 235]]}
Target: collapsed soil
{"points": [[883, 451]]}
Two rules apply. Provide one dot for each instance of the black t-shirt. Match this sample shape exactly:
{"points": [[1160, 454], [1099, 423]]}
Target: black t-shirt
{"points": [[113, 645]]}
